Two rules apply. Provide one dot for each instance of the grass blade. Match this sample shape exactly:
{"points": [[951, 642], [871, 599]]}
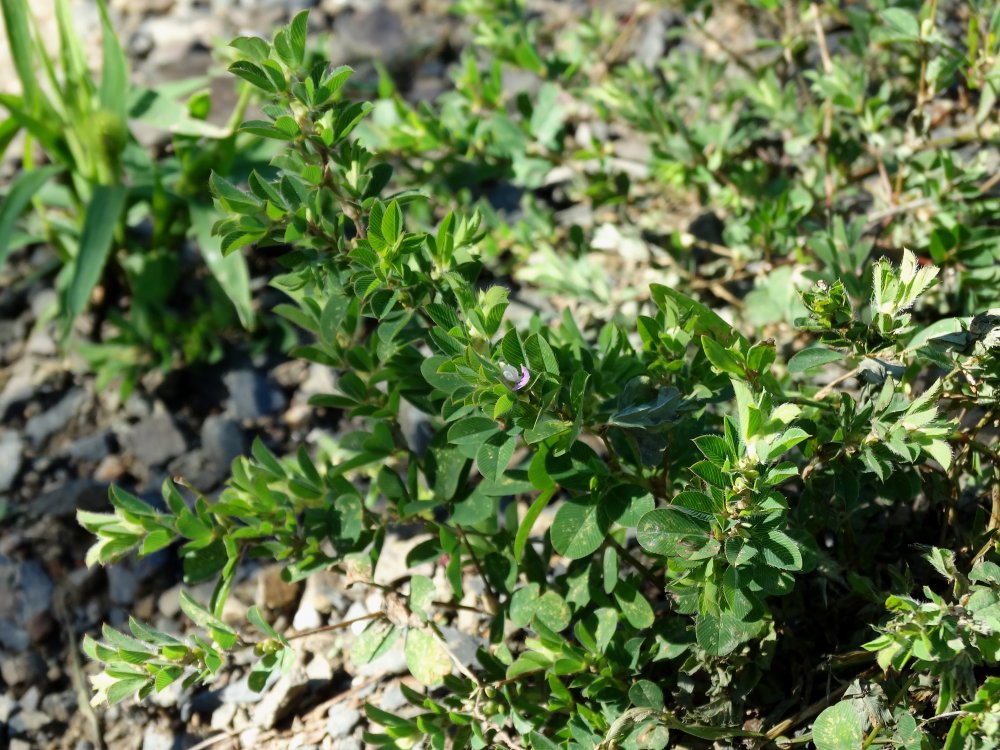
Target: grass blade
{"points": [[25, 186], [99, 224], [15, 17], [114, 76], [229, 270]]}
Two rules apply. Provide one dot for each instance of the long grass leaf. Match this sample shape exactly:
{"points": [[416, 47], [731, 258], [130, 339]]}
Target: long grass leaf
{"points": [[114, 76], [15, 17], [99, 224], [25, 186], [229, 270]]}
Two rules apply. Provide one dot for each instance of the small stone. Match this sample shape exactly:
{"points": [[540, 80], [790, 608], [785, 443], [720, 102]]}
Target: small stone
{"points": [[319, 669], [31, 699], [60, 706], [23, 669], [223, 716], [341, 720], [222, 439], [252, 395], [393, 698], [91, 448], [156, 440], [155, 738], [67, 498], [11, 458], [347, 743], [19, 745], [122, 584], [306, 616], [281, 698], [110, 469], [25, 722], [42, 426], [273, 592], [7, 708]]}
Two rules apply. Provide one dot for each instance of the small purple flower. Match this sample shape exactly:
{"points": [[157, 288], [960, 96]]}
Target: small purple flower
{"points": [[511, 375]]}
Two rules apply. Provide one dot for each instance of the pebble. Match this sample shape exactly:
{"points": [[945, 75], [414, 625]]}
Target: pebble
{"points": [[122, 584], [341, 720], [64, 500], [393, 698], [7, 708], [23, 669], [348, 743], [42, 426], [223, 716], [156, 440], [272, 591], [281, 698], [155, 738], [91, 448], [25, 722], [252, 395], [11, 458], [222, 439]]}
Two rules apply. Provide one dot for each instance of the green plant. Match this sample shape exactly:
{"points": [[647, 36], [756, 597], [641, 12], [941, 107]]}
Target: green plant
{"points": [[724, 536], [117, 217]]}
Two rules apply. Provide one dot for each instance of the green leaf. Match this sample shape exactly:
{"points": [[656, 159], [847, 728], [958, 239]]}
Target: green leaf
{"points": [[665, 531], [839, 727], [812, 358], [903, 24], [722, 358], [472, 431], [579, 527], [553, 611], [717, 635], [297, 36], [24, 186], [780, 550], [646, 694], [114, 70], [494, 455], [426, 658], [254, 74], [633, 605], [374, 641], [392, 223], [99, 224], [19, 36], [229, 270], [524, 528]]}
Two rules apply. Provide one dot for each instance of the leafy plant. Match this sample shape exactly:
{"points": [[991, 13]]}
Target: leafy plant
{"points": [[118, 218], [724, 507]]}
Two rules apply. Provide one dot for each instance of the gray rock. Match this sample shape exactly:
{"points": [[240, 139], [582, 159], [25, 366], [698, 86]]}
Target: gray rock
{"points": [[11, 458], [60, 706], [67, 498], [7, 708], [376, 33], [348, 743], [23, 669], [222, 439], [155, 738], [42, 426], [122, 584], [92, 447], [281, 698], [393, 698], [239, 692], [156, 440], [252, 395], [35, 590], [28, 722]]}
